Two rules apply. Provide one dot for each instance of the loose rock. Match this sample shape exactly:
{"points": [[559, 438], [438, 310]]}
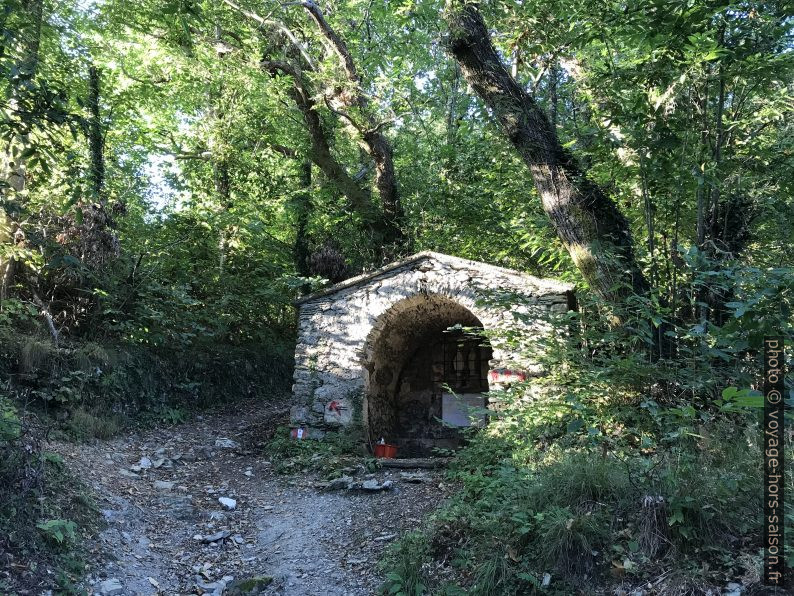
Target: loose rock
{"points": [[223, 534], [339, 483], [110, 587], [374, 486], [413, 477], [228, 504], [163, 485], [385, 537], [732, 589], [226, 443]]}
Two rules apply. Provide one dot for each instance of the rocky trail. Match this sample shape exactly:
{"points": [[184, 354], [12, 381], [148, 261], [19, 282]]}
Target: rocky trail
{"points": [[197, 509]]}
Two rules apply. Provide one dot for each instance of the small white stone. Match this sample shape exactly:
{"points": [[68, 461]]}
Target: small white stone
{"points": [[226, 443], [228, 504]]}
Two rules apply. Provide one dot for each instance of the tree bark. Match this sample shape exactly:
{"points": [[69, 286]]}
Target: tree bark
{"points": [[223, 187], [369, 133], [320, 147], [388, 225], [95, 135], [589, 224], [6, 261], [300, 249], [13, 169], [554, 79]]}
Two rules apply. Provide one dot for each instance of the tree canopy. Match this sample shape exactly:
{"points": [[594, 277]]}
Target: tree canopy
{"points": [[175, 173]]}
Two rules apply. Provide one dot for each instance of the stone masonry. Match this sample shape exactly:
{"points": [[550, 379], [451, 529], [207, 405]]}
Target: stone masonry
{"points": [[355, 338]]}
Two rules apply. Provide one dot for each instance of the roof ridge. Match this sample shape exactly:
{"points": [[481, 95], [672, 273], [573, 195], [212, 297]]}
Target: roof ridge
{"points": [[425, 254]]}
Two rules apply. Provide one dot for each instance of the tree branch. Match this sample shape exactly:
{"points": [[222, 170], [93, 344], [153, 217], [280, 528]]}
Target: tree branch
{"points": [[320, 147], [283, 29], [372, 139]]}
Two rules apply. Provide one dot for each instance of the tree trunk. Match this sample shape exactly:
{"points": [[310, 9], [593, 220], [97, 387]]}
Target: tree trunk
{"points": [[223, 186], [301, 95], [300, 249], [388, 225], [13, 169], [368, 132], [6, 261], [379, 223], [95, 135], [554, 79], [589, 224]]}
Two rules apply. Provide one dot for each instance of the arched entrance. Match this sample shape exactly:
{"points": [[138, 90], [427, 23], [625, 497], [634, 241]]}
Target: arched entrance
{"points": [[425, 374]]}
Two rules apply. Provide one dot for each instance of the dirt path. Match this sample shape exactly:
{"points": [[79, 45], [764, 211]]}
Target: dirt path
{"points": [[167, 532]]}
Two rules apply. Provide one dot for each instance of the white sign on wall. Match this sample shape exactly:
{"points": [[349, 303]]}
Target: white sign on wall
{"points": [[464, 409]]}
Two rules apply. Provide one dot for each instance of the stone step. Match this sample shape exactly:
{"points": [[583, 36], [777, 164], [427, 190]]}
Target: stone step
{"points": [[415, 462]]}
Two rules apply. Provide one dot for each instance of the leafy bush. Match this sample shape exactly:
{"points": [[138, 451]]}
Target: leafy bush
{"points": [[84, 425], [44, 512], [59, 530], [95, 389], [404, 564], [10, 424]]}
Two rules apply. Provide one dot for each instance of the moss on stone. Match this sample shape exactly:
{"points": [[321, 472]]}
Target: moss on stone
{"points": [[249, 586]]}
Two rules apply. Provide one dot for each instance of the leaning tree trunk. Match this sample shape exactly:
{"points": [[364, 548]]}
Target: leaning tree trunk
{"points": [[589, 224]]}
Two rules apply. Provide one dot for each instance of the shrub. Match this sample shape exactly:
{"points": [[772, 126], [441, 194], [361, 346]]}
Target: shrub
{"points": [[44, 512], [84, 425], [59, 530], [610, 470], [330, 455]]}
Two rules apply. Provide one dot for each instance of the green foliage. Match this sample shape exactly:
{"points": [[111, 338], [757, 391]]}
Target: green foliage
{"points": [[612, 466], [330, 455], [84, 425], [404, 562], [96, 390], [45, 514], [170, 284], [59, 530], [576, 514], [172, 416], [10, 425]]}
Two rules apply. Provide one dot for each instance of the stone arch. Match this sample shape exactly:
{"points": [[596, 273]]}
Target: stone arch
{"points": [[406, 346], [340, 329]]}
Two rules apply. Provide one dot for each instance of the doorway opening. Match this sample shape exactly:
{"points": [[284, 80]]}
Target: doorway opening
{"points": [[427, 375]]}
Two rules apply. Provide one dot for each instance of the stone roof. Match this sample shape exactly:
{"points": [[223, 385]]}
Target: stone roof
{"points": [[540, 285]]}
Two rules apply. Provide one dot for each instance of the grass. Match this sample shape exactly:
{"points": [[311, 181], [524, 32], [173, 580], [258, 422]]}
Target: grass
{"points": [[83, 424], [329, 456], [591, 519], [404, 563]]}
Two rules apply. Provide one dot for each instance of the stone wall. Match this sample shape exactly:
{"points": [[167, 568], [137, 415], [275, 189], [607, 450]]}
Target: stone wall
{"points": [[354, 338]]}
